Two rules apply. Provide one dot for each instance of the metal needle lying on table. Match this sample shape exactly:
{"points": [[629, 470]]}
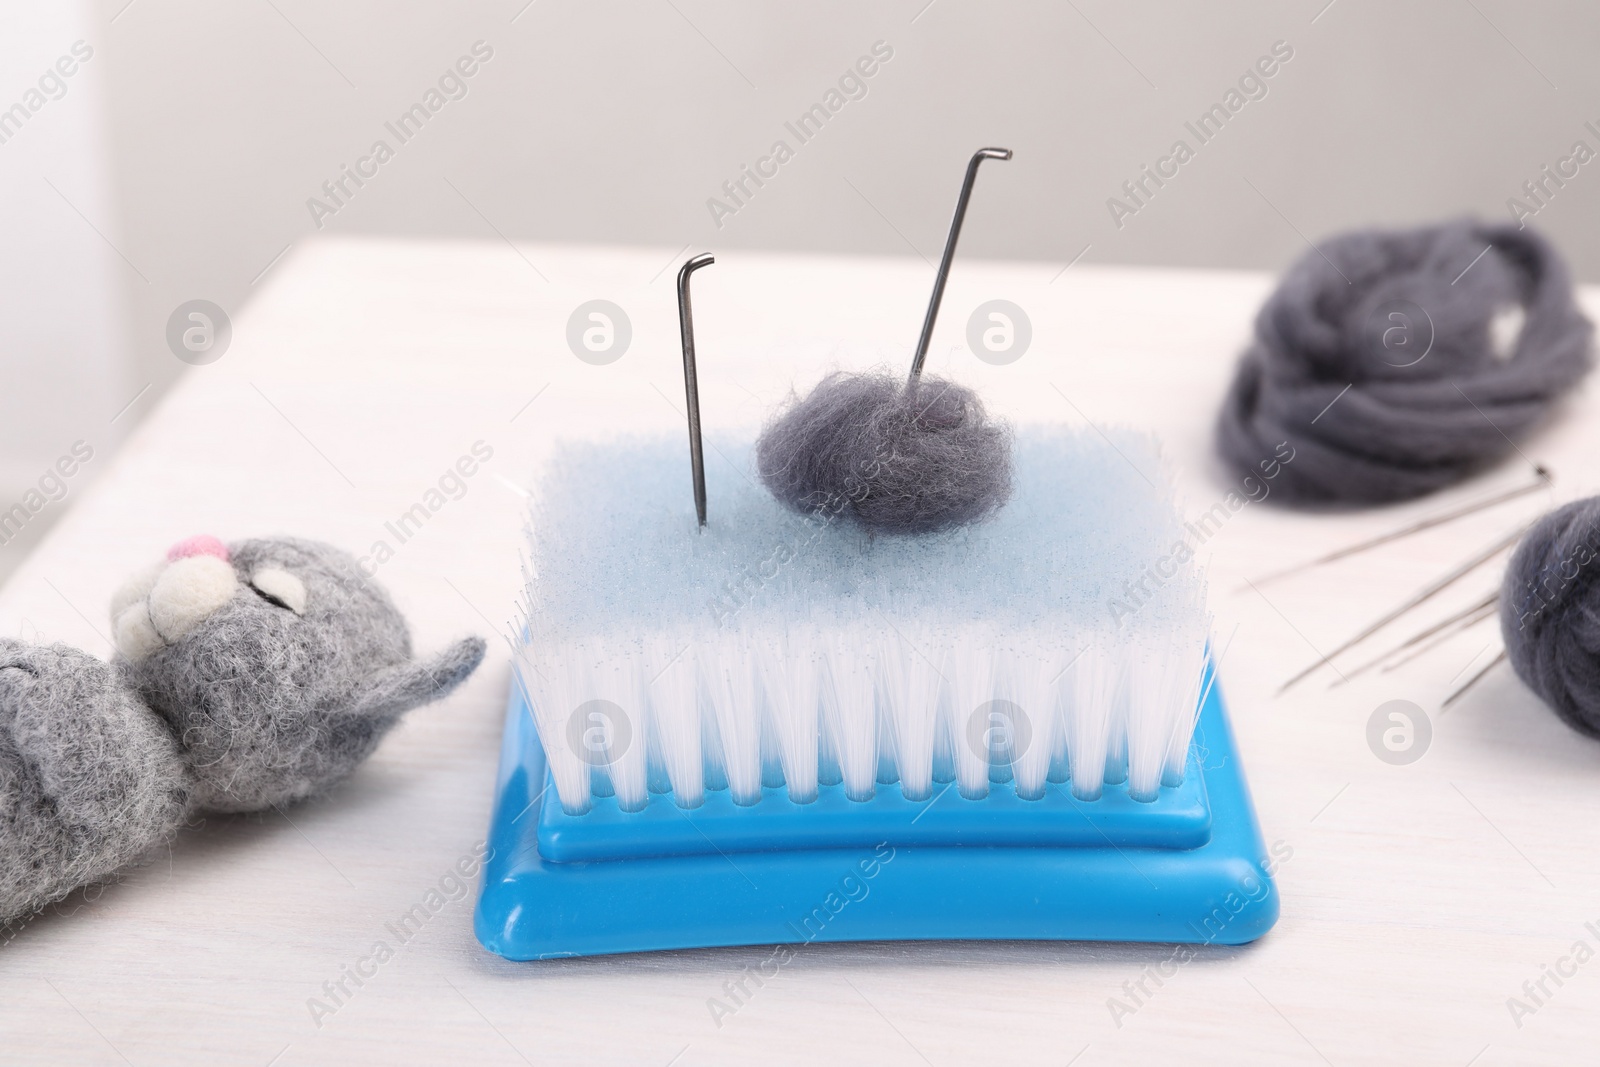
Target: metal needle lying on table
{"points": [[1465, 624], [1459, 693], [1541, 480], [1475, 610], [1421, 598]]}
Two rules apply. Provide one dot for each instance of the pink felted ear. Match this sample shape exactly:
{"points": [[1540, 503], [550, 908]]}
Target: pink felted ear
{"points": [[198, 545]]}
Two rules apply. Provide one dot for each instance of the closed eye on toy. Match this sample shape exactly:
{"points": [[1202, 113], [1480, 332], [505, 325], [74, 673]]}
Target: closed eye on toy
{"points": [[280, 588], [269, 598]]}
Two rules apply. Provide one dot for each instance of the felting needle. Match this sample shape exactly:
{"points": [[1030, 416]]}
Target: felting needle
{"points": [[1541, 480], [1421, 598], [691, 384], [1465, 625], [1483, 605], [1459, 693], [949, 253]]}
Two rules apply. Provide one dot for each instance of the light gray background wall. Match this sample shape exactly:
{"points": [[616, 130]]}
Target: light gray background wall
{"points": [[65, 348], [615, 122]]}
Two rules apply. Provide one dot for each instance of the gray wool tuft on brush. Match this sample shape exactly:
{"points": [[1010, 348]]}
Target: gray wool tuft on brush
{"points": [[1376, 359], [248, 676], [896, 458]]}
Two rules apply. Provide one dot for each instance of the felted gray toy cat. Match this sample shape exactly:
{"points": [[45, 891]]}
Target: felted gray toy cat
{"points": [[247, 676]]}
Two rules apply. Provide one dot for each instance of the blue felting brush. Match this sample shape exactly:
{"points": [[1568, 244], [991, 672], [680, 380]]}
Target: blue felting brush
{"points": [[790, 721]]}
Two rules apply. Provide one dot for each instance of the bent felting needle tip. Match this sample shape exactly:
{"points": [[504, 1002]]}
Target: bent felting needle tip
{"points": [[943, 274], [691, 382]]}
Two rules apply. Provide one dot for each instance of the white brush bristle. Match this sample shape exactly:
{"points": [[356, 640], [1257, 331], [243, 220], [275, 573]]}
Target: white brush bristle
{"points": [[1060, 645]]}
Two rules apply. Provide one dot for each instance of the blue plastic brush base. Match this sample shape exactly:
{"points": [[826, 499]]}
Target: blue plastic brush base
{"points": [[1219, 892]]}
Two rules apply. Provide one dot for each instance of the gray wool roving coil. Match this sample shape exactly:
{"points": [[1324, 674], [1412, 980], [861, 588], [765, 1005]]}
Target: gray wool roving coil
{"points": [[248, 676], [1402, 319], [893, 457], [1550, 613]]}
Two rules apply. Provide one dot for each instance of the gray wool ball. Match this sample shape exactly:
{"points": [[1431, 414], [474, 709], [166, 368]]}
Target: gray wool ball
{"points": [[1550, 612], [894, 458], [247, 676], [90, 778], [1375, 360]]}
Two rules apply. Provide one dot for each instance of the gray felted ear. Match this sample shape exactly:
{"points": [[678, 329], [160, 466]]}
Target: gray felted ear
{"points": [[394, 690]]}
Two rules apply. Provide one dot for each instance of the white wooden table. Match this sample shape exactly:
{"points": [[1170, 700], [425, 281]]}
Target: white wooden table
{"points": [[1417, 900]]}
